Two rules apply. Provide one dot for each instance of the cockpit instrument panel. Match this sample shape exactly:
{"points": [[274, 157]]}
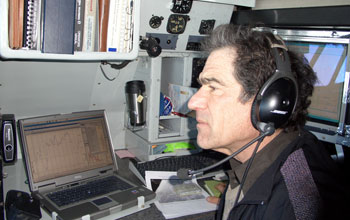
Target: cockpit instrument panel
{"points": [[181, 25]]}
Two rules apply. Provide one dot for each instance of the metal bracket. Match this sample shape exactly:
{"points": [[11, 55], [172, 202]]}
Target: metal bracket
{"points": [[343, 140]]}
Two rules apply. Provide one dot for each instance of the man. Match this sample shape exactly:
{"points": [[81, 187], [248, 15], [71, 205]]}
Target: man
{"points": [[291, 176]]}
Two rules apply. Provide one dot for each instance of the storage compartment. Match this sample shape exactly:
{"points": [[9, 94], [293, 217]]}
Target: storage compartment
{"points": [[164, 71], [162, 129]]}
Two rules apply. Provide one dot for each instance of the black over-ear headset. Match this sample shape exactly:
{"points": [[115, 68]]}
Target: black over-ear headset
{"points": [[276, 100]]}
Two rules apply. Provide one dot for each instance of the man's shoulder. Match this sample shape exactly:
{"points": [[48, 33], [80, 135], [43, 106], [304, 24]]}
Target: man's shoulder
{"points": [[306, 148], [309, 170], [302, 139]]}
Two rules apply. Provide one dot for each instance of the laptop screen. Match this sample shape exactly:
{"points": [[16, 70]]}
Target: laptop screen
{"points": [[62, 145]]}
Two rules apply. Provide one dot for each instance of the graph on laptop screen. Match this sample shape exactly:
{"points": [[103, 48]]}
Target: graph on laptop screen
{"points": [[327, 54], [63, 147]]}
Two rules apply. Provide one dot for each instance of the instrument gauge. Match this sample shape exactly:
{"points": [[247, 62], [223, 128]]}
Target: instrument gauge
{"points": [[155, 21], [177, 23], [181, 6]]}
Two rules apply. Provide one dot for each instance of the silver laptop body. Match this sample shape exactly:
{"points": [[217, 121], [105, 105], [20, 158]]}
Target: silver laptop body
{"points": [[65, 151]]}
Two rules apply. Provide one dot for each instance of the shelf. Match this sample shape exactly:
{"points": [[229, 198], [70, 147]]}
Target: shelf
{"points": [[143, 149], [167, 132], [246, 3], [166, 117], [7, 53]]}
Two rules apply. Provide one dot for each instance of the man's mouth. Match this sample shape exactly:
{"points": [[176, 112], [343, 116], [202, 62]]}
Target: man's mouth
{"points": [[201, 122]]}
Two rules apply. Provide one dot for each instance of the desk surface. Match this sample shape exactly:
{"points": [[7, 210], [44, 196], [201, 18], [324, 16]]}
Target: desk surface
{"points": [[16, 179]]}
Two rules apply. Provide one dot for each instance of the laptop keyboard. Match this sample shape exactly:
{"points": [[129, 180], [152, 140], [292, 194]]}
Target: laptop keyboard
{"points": [[88, 190], [194, 162]]}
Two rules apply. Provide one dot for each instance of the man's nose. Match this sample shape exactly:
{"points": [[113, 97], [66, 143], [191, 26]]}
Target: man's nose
{"points": [[197, 101]]}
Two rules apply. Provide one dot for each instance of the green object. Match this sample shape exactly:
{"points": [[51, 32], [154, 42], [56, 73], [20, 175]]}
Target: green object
{"points": [[210, 187], [172, 147]]}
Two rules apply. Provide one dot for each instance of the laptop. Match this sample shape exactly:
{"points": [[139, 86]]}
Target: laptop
{"points": [[66, 152]]}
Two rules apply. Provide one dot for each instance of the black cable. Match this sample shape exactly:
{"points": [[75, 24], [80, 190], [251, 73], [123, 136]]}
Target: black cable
{"points": [[114, 66], [246, 171], [117, 66], [104, 74], [260, 137], [266, 129]]}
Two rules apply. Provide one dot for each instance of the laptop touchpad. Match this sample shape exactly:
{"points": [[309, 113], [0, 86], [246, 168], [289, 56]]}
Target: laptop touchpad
{"points": [[78, 211], [104, 202]]}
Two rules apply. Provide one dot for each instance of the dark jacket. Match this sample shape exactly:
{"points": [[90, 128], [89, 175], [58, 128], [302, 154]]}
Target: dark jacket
{"points": [[302, 183]]}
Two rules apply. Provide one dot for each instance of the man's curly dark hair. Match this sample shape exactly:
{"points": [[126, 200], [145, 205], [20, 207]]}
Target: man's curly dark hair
{"points": [[255, 64]]}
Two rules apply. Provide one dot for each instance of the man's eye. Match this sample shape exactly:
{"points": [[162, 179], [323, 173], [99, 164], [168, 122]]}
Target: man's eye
{"points": [[212, 88]]}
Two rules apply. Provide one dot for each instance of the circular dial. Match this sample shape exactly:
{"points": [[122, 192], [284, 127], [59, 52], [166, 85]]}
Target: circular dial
{"points": [[155, 21], [177, 23]]}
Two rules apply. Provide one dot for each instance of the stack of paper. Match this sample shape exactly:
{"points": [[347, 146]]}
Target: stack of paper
{"points": [[174, 194]]}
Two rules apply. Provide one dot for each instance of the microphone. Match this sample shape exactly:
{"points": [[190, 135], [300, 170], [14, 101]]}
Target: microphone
{"points": [[265, 130], [183, 174]]}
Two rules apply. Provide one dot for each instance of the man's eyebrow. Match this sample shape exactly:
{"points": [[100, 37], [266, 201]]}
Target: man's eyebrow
{"points": [[206, 80]]}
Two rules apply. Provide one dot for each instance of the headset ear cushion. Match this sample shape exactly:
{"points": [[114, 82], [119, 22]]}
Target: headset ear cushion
{"points": [[253, 115]]}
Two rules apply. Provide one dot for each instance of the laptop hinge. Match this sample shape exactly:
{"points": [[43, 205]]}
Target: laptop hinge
{"points": [[47, 187], [106, 171]]}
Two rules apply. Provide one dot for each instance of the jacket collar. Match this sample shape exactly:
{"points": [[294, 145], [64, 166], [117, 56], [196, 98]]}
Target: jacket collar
{"points": [[264, 167]]}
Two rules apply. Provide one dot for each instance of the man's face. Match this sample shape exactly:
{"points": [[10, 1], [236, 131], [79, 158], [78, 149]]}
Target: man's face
{"points": [[224, 122]]}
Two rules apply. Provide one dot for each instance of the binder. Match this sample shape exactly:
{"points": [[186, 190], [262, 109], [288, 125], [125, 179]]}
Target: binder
{"points": [[79, 25], [117, 26], [90, 21], [103, 24], [16, 8], [58, 26], [31, 24]]}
